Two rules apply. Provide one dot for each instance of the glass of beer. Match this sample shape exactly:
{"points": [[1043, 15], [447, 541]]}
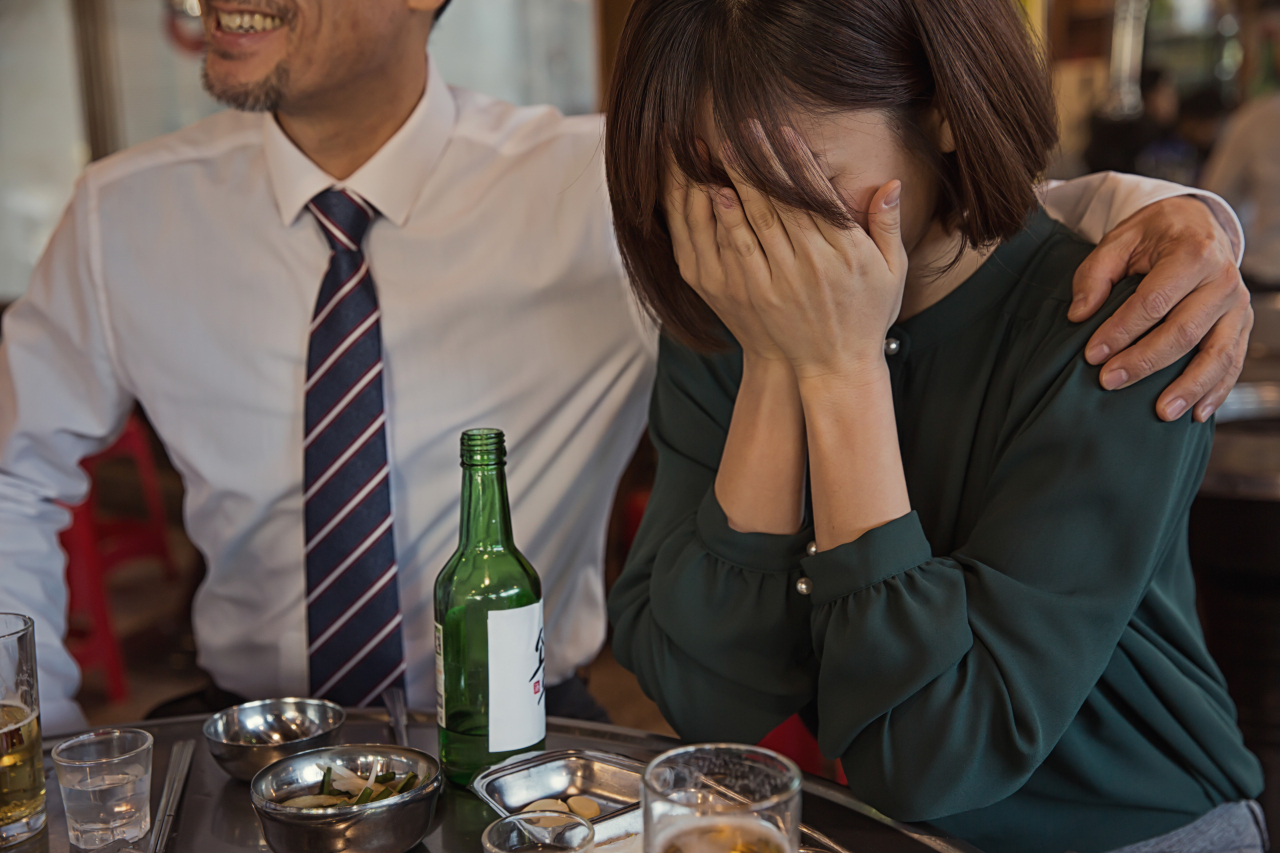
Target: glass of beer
{"points": [[721, 798], [21, 762]]}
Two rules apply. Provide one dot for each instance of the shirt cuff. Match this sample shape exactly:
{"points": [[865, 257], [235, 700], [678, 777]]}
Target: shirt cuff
{"points": [[875, 556], [1226, 217], [60, 717], [759, 552]]}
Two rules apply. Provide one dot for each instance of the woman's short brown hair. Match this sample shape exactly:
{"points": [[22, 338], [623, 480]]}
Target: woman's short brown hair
{"points": [[974, 61]]}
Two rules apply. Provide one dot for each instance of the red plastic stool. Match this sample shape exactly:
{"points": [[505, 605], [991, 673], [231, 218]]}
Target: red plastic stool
{"points": [[95, 546], [632, 515], [90, 637], [124, 539]]}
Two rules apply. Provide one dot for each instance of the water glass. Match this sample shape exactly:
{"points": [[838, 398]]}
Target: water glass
{"points": [[21, 764], [105, 777], [721, 798], [539, 832]]}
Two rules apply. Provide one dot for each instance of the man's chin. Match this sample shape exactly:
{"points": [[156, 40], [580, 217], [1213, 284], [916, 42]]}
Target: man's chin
{"points": [[264, 94]]}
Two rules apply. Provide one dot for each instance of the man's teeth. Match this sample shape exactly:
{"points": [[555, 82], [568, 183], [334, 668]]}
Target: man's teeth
{"points": [[244, 22]]}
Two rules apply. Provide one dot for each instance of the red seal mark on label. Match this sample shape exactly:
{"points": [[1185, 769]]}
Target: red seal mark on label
{"points": [[537, 687]]}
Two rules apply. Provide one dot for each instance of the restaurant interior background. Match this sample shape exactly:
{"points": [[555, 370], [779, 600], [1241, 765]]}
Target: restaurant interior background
{"points": [[80, 79]]}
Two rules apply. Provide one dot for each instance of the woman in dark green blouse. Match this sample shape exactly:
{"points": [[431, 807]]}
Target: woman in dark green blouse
{"points": [[891, 493]]}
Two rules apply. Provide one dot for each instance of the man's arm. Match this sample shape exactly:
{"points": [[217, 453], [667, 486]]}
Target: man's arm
{"points": [[60, 400], [1188, 243]]}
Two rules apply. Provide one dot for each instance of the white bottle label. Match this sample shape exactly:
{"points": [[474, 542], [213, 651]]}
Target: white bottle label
{"points": [[439, 675], [517, 712]]}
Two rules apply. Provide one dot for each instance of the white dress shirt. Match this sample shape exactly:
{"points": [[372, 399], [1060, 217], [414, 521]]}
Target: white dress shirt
{"points": [[1245, 170], [184, 275]]}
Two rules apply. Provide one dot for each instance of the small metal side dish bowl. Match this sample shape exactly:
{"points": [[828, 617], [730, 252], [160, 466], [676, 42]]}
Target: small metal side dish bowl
{"points": [[393, 825], [230, 733]]}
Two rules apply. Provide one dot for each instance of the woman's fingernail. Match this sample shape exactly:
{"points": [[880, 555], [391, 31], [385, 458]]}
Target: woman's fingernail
{"points": [[892, 199], [1206, 411], [1114, 379], [1174, 410], [1098, 353], [727, 199]]}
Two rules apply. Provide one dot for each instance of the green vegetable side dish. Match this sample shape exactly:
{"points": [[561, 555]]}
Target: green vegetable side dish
{"points": [[341, 787]]}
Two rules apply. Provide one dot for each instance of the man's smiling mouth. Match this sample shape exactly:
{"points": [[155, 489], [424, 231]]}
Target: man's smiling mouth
{"points": [[248, 22]]}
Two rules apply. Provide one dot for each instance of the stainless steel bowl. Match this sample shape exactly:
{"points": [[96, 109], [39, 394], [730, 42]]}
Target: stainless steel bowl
{"points": [[311, 723], [392, 825]]}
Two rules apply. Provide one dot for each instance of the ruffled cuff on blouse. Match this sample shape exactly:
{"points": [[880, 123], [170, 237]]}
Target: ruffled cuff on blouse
{"points": [[760, 552], [875, 556]]}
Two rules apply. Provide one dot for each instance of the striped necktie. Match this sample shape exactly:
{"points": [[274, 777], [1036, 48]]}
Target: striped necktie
{"points": [[353, 601]]}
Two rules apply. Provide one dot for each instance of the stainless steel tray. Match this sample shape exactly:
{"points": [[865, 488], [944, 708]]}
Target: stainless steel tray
{"points": [[613, 781]]}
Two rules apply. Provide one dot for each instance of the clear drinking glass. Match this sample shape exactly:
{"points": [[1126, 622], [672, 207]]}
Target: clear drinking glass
{"points": [[105, 777], [721, 798], [21, 764], [539, 832]]}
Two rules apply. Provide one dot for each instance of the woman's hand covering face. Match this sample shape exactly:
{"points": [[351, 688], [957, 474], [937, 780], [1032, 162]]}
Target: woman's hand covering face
{"points": [[719, 281], [1192, 288], [786, 283]]}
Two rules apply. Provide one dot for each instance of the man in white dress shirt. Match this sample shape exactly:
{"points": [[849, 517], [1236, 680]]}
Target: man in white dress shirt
{"points": [[186, 276]]}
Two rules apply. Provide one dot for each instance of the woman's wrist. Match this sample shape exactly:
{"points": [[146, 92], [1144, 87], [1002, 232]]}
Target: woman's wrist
{"points": [[854, 461], [763, 368], [760, 484], [855, 376]]}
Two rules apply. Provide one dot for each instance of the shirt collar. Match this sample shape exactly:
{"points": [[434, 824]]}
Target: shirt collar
{"points": [[391, 180]]}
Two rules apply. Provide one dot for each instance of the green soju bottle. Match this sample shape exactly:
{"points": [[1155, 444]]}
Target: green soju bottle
{"points": [[489, 646]]}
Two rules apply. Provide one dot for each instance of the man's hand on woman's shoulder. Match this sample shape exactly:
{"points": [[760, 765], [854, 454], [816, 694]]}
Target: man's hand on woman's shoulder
{"points": [[1192, 284]]}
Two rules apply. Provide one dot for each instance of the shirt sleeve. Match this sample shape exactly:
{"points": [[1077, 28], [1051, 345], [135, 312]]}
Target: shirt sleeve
{"points": [[59, 401], [943, 680], [1094, 205]]}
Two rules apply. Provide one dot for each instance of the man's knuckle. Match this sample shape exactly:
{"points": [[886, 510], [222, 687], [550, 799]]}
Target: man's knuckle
{"points": [[1147, 363], [1224, 358], [1187, 335], [1156, 303]]}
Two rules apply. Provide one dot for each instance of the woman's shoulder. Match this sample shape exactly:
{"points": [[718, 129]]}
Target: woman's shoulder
{"points": [[1038, 305], [1046, 279], [1042, 346]]}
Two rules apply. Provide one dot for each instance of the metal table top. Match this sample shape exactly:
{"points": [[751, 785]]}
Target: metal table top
{"points": [[216, 816]]}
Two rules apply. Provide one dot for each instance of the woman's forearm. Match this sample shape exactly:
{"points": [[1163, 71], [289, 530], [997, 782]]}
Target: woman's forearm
{"points": [[855, 466], [760, 483]]}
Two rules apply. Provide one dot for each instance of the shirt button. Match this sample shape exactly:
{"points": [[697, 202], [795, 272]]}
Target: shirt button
{"points": [[804, 586], [891, 346], [811, 548]]}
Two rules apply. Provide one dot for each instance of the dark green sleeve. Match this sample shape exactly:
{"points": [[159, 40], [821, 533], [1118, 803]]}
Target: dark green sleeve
{"points": [[942, 681], [947, 680], [708, 619]]}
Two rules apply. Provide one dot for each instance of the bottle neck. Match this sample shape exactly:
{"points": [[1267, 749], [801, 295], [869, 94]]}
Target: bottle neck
{"points": [[486, 515]]}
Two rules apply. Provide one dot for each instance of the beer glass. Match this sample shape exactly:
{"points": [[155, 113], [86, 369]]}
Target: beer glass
{"points": [[21, 762], [721, 798]]}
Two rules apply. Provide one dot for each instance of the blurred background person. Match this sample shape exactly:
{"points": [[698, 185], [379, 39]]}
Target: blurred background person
{"points": [[1116, 143], [1201, 117], [1245, 170]]}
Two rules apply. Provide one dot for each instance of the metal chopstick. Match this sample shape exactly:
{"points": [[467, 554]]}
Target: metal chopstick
{"points": [[179, 766]]}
